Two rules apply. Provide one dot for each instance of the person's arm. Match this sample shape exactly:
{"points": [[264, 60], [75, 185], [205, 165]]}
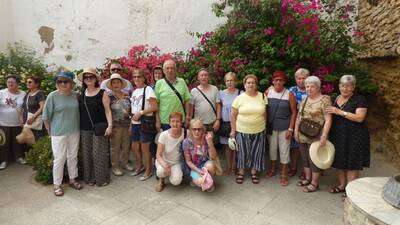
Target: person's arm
{"points": [[107, 110], [359, 116], [211, 148], [48, 113], [217, 123], [234, 113], [328, 122], [293, 111]]}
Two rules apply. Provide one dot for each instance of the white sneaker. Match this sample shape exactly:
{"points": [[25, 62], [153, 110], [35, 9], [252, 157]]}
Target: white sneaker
{"points": [[3, 165], [21, 161]]}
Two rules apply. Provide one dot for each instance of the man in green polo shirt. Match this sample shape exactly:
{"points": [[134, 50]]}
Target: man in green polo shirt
{"points": [[168, 100]]}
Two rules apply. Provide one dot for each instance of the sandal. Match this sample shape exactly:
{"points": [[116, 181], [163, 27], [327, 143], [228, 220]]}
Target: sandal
{"points": [[145, 177], [271, 173], [239, 178], [58, 191], [310, 188], [91, 183], [137, 172], [284, 181], [336, 190], [76, 185], [292, 173], [303, 183], [255, 179]]}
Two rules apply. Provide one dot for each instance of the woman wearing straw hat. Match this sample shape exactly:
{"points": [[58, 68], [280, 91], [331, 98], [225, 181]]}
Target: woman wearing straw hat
{"points": [[61, 118], [349, 133], [95, 125], [312, 114], [11, 99], [121, 110]]}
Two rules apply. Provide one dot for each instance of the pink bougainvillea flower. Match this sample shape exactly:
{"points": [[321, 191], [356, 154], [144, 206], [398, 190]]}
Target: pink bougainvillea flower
{"points": [[289, 41], [269, 31]]}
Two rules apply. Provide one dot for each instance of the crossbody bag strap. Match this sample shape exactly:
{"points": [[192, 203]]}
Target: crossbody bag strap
{"points": [[87, 110], [208, 100], [176, 93], [144, 97], [302, 109]]}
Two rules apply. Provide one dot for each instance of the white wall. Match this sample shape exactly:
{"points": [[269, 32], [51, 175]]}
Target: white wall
{"points": [[88, 31]]}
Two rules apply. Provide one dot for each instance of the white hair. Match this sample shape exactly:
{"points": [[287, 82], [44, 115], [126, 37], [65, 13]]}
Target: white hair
{"points": [[302, 71], [348, 79], [313, 80]]}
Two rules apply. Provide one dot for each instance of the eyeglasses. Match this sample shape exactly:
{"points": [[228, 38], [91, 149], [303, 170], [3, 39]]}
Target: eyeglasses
{"points": [[89, 78], [136, 77], [197, 129], [115, 69], [29, 82], [63, 81]]}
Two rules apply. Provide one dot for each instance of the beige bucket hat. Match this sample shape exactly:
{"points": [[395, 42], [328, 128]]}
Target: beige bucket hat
{"points": [[116, 76], [89, 70], [322, 157]]}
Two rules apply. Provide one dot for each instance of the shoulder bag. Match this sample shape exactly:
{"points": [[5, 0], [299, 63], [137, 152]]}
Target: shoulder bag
{"points": [[37, 124], [99, 128], [270, 127], [147, 123], [225, 128], [308, 127]]}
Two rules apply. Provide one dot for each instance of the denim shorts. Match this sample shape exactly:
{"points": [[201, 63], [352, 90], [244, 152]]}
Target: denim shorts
{"points": [[137, 135]]}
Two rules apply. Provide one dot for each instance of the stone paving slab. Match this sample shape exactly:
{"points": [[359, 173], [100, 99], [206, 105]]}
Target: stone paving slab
{"points": [[129, 201]]}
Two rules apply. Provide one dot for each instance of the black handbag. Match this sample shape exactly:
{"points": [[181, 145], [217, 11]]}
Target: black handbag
{"points": [[225, 129], [308, 127], [147, 123], [99, 128], [269, 125]]}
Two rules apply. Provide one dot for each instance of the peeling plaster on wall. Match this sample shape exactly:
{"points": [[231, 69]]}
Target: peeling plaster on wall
{"points": [[47, 35], [90, 31]]}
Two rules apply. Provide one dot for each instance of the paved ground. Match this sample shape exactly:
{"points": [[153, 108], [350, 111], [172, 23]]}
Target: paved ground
{"points": [[129, 201]]}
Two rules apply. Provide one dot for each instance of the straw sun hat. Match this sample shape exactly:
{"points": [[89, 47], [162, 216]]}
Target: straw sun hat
{"points": [[322, 157]]}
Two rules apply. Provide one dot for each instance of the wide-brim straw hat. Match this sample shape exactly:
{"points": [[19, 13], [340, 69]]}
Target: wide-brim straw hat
{"points": [[116, 76], [26, 136], [322, 157], [89, 70], [2, 137]]}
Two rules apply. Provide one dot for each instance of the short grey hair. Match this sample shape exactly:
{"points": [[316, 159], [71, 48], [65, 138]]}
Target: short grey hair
{"points": [[302, 71], [313, 80], [348, 79]]}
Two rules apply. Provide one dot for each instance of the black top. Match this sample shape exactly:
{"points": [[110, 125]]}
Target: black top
{"points": [[96, 109], [33, 103], [351, 139]]}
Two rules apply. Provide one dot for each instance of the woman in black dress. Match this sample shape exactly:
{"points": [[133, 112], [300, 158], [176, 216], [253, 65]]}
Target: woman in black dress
{"points": [[349, 134]]}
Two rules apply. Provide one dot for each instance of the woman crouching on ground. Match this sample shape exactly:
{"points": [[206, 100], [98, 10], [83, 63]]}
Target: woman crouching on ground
{"points": [[199, 152], [168, 162]]}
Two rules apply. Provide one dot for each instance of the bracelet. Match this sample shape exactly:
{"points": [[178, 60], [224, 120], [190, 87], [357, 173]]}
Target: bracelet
{"points": [[290, 129]]}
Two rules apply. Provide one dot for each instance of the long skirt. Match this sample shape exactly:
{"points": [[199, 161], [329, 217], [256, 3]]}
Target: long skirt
{"points": [[251, 151]]}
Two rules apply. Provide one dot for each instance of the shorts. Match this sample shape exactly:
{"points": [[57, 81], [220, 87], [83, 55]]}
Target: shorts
{"points": [[137, 135]]}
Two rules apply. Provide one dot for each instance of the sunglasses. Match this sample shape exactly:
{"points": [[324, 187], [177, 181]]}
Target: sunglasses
{"points": [[63, 81], [29, 82], [89, 78], [197, 129], [116, 69]]}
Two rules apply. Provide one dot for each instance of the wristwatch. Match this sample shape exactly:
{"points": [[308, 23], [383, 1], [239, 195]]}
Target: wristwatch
{"points": [[344, 114]]}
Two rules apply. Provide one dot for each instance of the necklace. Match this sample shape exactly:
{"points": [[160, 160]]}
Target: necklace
{"points": [[343, 104]]}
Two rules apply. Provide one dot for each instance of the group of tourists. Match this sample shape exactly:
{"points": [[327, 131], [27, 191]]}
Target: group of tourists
{"points": [[173, 131]]}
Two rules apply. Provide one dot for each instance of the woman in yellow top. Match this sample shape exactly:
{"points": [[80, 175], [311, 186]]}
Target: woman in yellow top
{"points": [[248, 128]]}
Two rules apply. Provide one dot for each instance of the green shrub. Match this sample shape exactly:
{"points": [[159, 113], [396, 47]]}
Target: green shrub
{"points": [[40, 156], [22, 61]]}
